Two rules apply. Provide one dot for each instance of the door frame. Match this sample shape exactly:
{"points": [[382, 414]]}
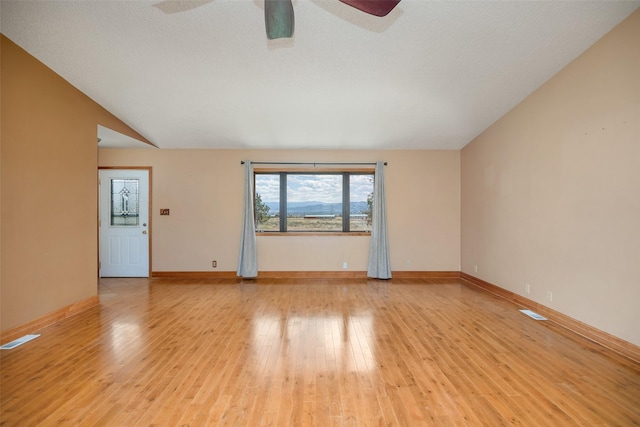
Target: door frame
{"points": [[149, 170]]}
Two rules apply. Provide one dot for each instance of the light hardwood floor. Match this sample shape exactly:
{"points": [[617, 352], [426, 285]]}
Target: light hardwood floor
{"points": [[312, 352]]}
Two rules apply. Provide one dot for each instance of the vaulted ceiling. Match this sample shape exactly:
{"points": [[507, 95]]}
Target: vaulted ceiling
{"points": [[202, 73]]}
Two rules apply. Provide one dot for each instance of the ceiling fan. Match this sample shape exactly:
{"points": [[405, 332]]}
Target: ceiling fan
{"points": [[278, 14], [279, 20]]}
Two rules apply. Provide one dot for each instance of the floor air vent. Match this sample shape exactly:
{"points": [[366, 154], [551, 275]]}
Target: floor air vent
{"points": [[19, 341], [533, 315]]}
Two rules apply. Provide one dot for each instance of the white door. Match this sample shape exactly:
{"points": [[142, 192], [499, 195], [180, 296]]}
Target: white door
{"points": [[124, 223]]}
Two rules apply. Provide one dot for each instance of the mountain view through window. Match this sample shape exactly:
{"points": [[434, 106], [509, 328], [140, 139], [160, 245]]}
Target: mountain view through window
{"points": [[300, 202]]}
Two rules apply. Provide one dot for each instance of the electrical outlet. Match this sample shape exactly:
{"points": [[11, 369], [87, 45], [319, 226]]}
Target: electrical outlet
{"points": [[527, 288], [407, 263], [345, 265], [214, 263], [549, 295], [475, 268]]}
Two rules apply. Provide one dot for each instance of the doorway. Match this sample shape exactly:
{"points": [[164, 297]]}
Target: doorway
{"points": [[124, 224]]}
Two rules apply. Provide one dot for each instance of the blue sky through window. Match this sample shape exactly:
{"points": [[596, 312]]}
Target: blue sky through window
{"points": [[319, 188]]}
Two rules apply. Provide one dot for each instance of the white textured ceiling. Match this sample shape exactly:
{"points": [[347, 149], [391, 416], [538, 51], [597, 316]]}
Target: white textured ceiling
{"points": [[430, 75]]}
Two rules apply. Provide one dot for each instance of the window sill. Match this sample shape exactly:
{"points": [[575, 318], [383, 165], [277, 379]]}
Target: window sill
{"points": [[313, 233]]}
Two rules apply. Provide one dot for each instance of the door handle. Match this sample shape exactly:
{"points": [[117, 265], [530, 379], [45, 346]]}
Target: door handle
{"points": [[144, 231]]}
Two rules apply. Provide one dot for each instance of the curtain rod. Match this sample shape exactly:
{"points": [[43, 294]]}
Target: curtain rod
{"points": [[312, 163]]}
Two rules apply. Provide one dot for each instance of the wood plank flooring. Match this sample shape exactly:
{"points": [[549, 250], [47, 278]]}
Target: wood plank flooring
{"points": [[309, 352]]}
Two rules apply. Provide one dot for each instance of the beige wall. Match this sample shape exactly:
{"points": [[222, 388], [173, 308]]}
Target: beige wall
{"points": [[551, 192], [49, 190], [203, 189]]}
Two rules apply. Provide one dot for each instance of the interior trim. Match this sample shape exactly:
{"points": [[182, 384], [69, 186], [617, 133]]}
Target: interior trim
{"points": [[48, 319], [425, 274], [195, 274], [304, 274], [261, 274], [603, 338]]}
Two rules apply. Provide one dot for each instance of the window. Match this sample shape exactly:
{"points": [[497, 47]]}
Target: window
{"points": [[124, 202], [331, 201]]}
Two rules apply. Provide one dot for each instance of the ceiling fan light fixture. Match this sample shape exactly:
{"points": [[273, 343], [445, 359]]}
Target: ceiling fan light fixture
{"points": [[373, 7], [278, 19]]}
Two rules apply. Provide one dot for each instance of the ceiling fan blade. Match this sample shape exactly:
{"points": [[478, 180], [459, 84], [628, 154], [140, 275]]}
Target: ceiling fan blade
{"points": [[373, 7], [278, 18], [170, 7]]}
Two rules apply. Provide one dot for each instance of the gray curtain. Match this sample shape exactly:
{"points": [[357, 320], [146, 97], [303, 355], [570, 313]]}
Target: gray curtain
{"points": [[379, 265], [248, 260]]}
